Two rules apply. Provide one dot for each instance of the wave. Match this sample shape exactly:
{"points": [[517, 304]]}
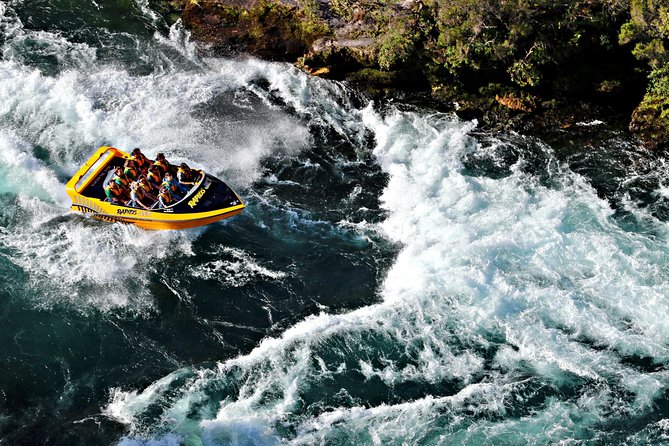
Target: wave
{"points": [[518, 300], [513, 298], [238, 271], [51, 123]]}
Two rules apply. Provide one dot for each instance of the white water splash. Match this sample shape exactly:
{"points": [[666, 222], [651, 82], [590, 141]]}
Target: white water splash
{"points": [[236, 272], [544, 273], [51, 124]]}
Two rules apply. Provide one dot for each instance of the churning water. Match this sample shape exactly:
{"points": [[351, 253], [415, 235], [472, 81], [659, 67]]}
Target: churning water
{"points": [[399, 277]]}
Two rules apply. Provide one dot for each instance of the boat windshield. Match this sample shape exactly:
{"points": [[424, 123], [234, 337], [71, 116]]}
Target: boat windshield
{"points": [[104, 159]]}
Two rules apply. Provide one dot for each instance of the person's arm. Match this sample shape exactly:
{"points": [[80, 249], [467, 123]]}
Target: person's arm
{"points": [[150, 196], [180, 179]]}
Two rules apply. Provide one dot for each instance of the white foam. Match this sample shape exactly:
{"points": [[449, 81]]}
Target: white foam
{"points": [[179, 39], [237, 272], [24, 175], [17, 40], [51, 124], [545, 270], [73, 113], [143, 5], [124, 403], [66, 259]]}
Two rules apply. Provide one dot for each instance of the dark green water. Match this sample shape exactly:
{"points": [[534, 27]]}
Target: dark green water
{"points": [[398, 277]]}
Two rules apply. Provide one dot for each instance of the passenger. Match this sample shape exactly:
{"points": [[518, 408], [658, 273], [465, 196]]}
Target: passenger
{"points": [[124, 183], [141, 160], [147, 187], [164, 198], [177, 190], [137, 196], [162, 164], [154, 177], [131, 171], [113, 192], [187, 176]]}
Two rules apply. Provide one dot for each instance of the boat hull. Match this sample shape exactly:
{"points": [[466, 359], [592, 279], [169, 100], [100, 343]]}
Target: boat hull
{"points": [[158, 223]]}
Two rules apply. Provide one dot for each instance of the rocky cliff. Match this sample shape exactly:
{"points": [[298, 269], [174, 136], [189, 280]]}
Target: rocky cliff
{"points": [[509, 63]]}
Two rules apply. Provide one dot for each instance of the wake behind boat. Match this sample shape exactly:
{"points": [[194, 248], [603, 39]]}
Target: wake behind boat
{"points": [[208, 201]]}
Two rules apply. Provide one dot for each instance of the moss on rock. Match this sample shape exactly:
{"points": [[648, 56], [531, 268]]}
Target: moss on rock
{"points": [[267, 28], [651, 118]]}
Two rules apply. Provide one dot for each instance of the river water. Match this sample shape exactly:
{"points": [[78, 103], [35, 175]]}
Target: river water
{"points": [[399, 276]]}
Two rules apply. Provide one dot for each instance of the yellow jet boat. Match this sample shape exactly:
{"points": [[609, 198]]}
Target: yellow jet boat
{"points": [[208, 201]]}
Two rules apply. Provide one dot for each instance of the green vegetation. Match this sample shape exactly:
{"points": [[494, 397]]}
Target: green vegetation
{"points": [[514, 56], [301, 26], [532, 47], [648, 29], [534, 55], [267, 28], [540, 47], [395, 46]]}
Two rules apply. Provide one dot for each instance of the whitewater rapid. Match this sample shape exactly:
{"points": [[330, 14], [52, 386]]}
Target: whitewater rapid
{"points": [[523, 306], [517, 304], [51, 123]]}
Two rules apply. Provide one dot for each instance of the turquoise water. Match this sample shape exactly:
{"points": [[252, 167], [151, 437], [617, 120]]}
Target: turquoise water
{"points": [[399, 276]]}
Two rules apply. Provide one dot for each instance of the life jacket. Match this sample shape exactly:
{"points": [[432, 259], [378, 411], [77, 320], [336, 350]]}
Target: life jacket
{"points": [[141, 160], [121, 180], [164, 168], [184, 175], [139, 193], [166, 197], [114, 191], [146, 187], [130, 172], [153, 177], [170, 185]]}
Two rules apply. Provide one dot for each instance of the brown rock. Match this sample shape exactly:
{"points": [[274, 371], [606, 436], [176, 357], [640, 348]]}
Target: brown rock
{"points": [[514, 103], [211, 20], [268, 28]]}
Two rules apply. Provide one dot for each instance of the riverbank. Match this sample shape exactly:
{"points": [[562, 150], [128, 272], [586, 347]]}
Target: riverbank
{"points": [[543, 66]]}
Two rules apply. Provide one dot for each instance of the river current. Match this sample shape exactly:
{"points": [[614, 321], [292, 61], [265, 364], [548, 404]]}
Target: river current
{"points": [[399, 276]]}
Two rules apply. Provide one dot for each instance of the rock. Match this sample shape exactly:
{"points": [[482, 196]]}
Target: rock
{"points": [[515, 103], [506, 64], [321, 71], [278, 30], [650, 120]]}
